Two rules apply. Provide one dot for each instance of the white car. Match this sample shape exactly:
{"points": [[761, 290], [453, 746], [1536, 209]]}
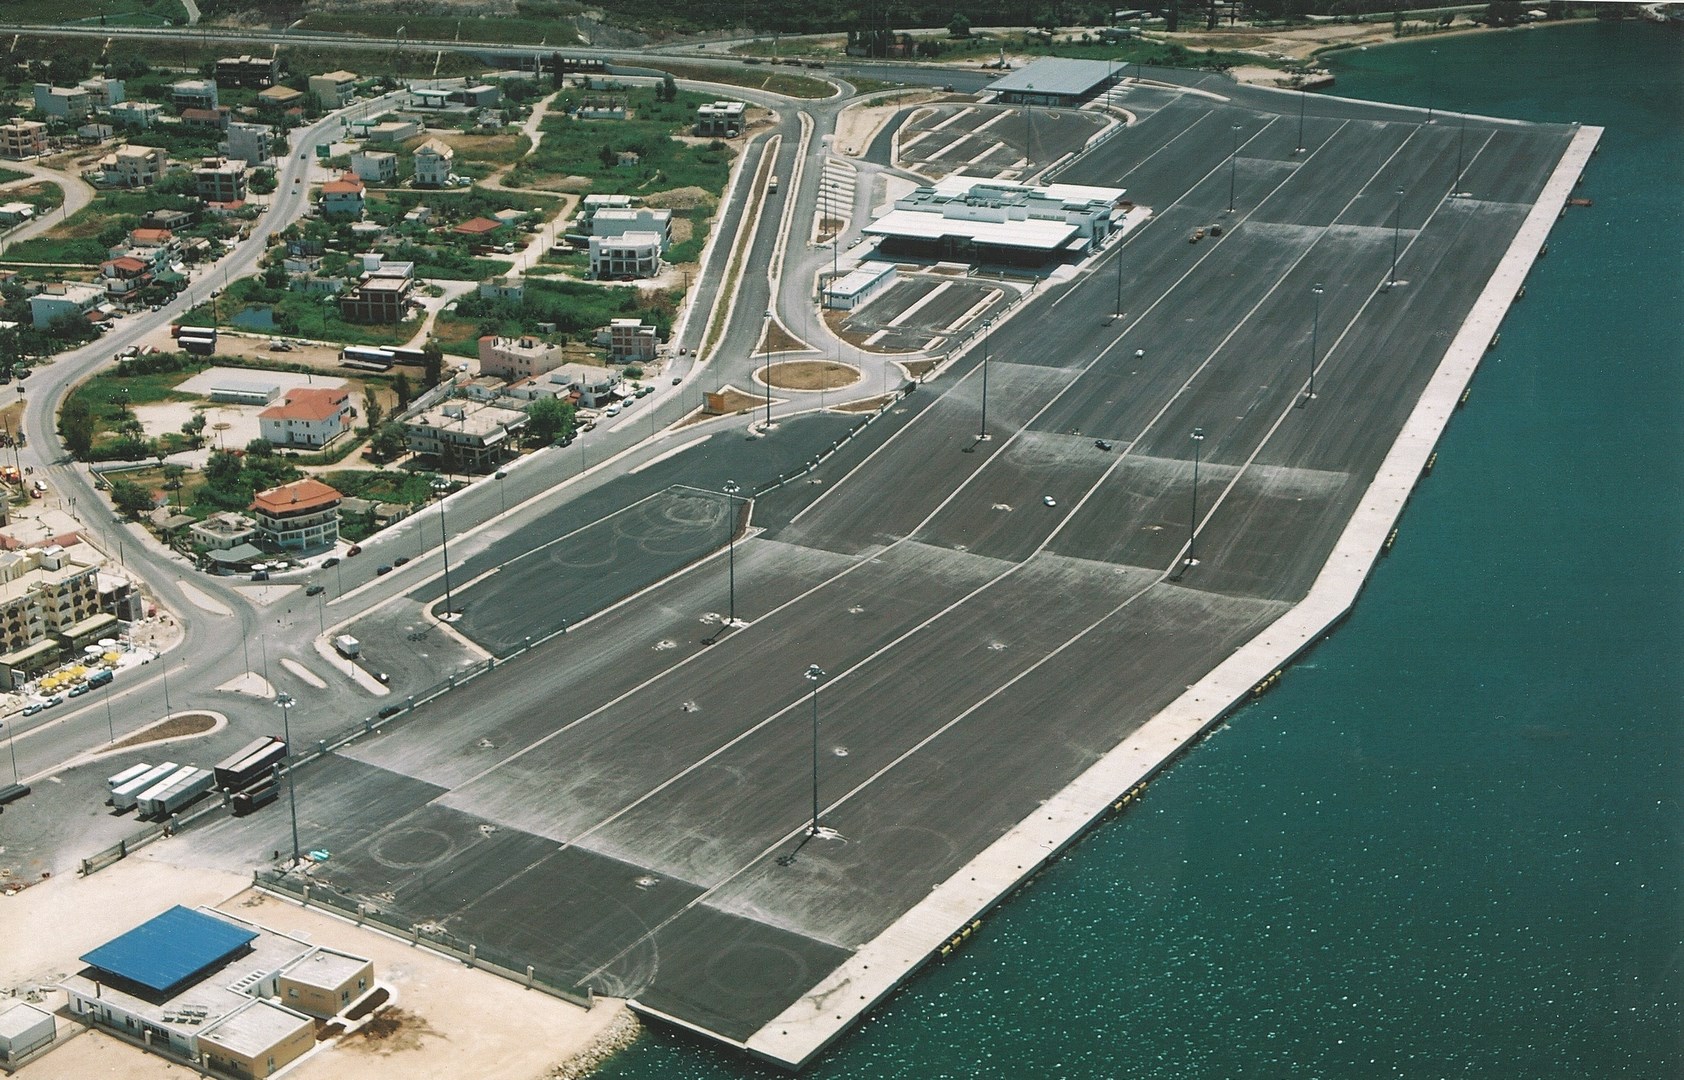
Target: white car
{"points": [[1049, 500], [612, 410]]}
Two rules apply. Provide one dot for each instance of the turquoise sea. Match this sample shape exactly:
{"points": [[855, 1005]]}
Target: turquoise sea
{"points": [[1448, 845]]}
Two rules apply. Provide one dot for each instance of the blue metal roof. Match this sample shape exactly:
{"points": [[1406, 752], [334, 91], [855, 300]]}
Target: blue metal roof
{"points": [[164, 951]]}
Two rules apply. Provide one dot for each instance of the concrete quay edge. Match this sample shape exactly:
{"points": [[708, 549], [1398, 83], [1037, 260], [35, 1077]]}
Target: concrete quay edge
{"points": [[796, 1036]]}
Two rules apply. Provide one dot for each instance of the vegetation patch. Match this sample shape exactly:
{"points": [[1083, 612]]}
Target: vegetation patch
{"points": [[811, 375], [755, 78], [589, 152], [175, 727]]}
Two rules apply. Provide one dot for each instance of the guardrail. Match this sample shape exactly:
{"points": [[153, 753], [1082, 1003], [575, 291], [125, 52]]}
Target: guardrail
{"points": [[431, 937]]}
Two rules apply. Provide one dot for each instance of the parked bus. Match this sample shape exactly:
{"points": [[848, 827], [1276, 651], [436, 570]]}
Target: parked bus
{"points": [[367, 353], [402, 354]]}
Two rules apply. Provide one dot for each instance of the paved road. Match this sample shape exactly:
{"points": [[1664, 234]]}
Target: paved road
{"points": [[618, 805], [78, 193]]}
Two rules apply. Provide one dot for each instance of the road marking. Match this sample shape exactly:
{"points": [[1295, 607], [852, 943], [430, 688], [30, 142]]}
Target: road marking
{"points": [[900, 319]]}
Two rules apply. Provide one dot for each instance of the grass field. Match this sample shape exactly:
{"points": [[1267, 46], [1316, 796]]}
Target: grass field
{"points": [[82, 12], [8, 175], [188, 53], [297, 314], [585, 149]]}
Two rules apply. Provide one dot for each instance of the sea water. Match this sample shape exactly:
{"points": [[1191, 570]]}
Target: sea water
{"points": [[1448, 845]]}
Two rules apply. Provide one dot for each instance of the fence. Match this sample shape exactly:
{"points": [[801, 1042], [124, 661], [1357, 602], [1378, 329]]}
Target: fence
{"points": [[433, 938]]}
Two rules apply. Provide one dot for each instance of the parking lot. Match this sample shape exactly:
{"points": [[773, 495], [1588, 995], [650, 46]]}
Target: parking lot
{"points": [[1005, 142]]}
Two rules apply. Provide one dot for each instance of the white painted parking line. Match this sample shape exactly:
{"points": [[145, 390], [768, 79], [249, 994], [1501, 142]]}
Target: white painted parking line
{"points": [[900, 319], [954, 119]]}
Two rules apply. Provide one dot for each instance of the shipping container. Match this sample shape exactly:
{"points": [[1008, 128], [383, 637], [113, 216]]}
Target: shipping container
{"points": [[115, 782], [125, 797], [166, 798], [255, 762]]}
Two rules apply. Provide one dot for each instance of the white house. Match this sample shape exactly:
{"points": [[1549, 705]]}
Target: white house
{"points": [[633, 254], [375, 166], [308, 416], [433, 162], [63, 299]]}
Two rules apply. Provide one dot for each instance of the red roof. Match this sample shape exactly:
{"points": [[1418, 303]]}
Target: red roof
{"points": [[347, 184], [150, 236], [212, 115], [127, 262], [296, 498], [477, 226], [308, 404]]}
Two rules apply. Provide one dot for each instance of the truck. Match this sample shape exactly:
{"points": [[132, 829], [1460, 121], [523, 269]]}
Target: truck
{"points": [[125, 797], [348, 647], [259, 794], [255, 761], [174, 792], [101, 677]]}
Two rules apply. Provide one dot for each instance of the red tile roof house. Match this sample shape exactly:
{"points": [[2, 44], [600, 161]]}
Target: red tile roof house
{"points": [[477, 227], [302, 515], [123, 277], [307, 417], [343, 197]]}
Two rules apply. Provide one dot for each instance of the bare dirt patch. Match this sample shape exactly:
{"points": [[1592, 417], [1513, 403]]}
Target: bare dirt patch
{"points": [[812, 375], [777, 339], [864, 405], [917, 369], [684, 198], [174, 728], [682, 229], [390, 1032]]}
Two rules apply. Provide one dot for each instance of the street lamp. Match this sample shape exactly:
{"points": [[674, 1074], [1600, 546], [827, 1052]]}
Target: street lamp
{"points": [[1432, 72], [1315, 330], [1299, 149], [1461, 139], [1233, 165], [982, 428], [814, 674], [1397, 224], [502, 495], [285, 702], [1193, 518], [440, 488], [766, 371], [731, 488]]}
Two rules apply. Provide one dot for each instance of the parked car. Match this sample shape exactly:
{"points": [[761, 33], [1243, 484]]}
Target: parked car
{"points": [[79, 690], [400, 560], [33, 707], [355, 549], [315, 590], [383, 568], [56, 699], [329, 564]]}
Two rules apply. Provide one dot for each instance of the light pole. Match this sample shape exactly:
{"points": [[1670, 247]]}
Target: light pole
{"points": [[814, 674], [1397, 225], [1432, 72], [502, 495], [440, 487], [110, 724], [1193, 518], [731, 488], [1461, 138], [286, 701], [165, 667], [1233, 165], [982, 428], [766, 371], [1299, 149], [1119, 313], [1315, 329]]}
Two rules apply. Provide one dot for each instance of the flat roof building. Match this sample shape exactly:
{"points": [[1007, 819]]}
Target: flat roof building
{"points": [[334, 90], [258, 71], [23, 139], [1056, 80], [629, 255], [465, 436], [66, 103], [721, 119], [997, 221], [24, 1029], [193, 94], [220, 180], [856, 288]]}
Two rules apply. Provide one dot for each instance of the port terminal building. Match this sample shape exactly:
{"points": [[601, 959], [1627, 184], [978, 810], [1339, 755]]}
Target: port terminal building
{"points": [[970, 219], [1056, 82]]}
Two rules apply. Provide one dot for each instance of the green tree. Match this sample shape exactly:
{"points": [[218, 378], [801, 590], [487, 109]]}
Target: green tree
{"points": [[959, 26], [669, 89], [432, 363], [130, 498], [194, 429], [404, 391], [260, 448], [548, 419], [262, 181], [76, 425], [223, 468], [389, 442], [173, 474], [372, 412]]}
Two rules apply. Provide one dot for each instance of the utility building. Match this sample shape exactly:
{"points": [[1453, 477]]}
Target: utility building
{"points": [[1056, 82]]}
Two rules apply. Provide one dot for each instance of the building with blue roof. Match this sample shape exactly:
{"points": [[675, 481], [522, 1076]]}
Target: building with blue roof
{"points": [[211, 990], [167, 950]]}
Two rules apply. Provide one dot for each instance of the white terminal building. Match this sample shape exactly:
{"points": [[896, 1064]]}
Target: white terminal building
{"points": [[969, 219]]}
